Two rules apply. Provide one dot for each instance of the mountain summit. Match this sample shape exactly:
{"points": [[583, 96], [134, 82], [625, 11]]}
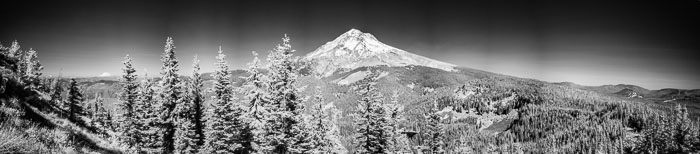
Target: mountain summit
{"points": [[354, 49]]}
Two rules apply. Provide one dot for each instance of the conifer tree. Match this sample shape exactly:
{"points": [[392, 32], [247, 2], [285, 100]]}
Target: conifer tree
{"points": [[285, 126], [398, 142], [32, 68], [13, 51], [226, 126], [684, 136], [258, 99], [371, 135], [256, 90], [100, 119], [56, 91], [169, 96], [319, 140], [333, 133], [146, 114], [197, 99], [128, 96], [435, 131], [188, 131], [184, 128], [75, 98], [97, 102], [4, 50]]}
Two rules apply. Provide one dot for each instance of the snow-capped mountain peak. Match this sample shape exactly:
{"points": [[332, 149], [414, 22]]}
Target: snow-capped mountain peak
{"points": [[353, 42], [354, 49]]}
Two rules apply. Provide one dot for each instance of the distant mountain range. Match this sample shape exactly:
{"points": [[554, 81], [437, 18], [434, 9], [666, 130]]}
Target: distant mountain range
{"points": [[666, 96], [347, 59]]}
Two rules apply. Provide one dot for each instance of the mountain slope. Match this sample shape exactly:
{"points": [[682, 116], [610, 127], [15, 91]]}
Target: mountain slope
{"points": [[31, 123], [355, 49]]}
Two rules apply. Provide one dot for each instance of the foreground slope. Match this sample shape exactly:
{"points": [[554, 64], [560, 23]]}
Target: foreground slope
{"points": [[31, 123]]}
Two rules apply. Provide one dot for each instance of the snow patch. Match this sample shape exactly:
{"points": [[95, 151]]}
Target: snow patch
{"points": [[357, 76], [412, 85], [670, 100], [105, 74]]}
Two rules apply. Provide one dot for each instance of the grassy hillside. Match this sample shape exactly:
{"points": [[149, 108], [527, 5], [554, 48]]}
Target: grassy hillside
{"points": [[30, 123]]}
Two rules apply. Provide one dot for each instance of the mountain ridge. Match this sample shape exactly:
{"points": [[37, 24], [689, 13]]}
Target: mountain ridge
{"points": [[354, 49]]}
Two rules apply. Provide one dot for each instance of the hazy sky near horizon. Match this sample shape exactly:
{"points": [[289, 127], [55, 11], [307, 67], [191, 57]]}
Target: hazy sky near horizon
{"points": [[651, 43]]}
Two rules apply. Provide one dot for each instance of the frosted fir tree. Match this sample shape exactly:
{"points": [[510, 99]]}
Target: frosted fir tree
{"points": [[255, 89], [371, 135], [333, 133], [189, 131], [435, 132], [684, 132], [197, 101], [75, 99], [285, 126], [169, 96], [32, 68], [56, 92], [319, 140], [398, 142], [184, 128], [126, 106], [14, 51], [216, 134], [147, 117], [101, 119], [4, 51], [225, 123]]}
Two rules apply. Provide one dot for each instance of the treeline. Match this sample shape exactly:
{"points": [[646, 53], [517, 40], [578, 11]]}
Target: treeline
{"points": [[173, 116]]}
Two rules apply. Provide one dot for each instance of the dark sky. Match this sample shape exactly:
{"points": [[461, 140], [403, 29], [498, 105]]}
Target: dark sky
{"points": [[651, 43]]}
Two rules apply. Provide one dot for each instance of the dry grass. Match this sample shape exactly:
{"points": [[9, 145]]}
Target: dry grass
{"points": [[50, 134], [19, 136], [81, 136]]}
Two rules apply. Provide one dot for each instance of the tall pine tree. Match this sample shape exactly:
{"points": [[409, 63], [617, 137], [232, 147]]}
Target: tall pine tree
{"points": [[169, 96], [226, 125], [15, 54], [197, 99], [146, 117], [75, 99], [189, 115], [14, 51], [371, 134], [255, 94], [56, 92], [126, 107], [184, 128], [435, 132], [285, 127], [32, 68], [319, 127], [398, 142], [100, 120]]}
